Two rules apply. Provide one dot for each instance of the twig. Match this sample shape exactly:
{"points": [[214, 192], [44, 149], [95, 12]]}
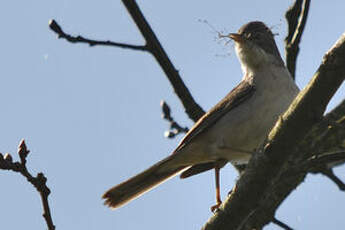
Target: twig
{"points": [[175, 128], [281, 224], [193, 110], [324, 164], [296, 17], [330, 174], [39, 182], [54, 26]]}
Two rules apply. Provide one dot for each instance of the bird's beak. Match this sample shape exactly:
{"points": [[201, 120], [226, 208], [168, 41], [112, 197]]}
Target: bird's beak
{"points": [[236, 37]]}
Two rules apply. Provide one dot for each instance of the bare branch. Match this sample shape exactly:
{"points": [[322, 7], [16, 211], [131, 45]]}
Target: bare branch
{"points": [[292, 16], [175, 129], [281, 224], [193, 110], [324, 164], [330, 174], [262, 174], [54, 26], [39, 182], [296, 17]]}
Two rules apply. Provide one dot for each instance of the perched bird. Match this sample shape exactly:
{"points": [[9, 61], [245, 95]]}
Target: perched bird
{"points": [[233, 128]]}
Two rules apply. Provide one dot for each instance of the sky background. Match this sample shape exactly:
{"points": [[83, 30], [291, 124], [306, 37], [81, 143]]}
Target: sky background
{"points": [[91, 116]]}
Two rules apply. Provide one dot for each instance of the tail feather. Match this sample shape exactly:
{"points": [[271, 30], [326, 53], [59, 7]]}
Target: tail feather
{"points": [[196, 169], [141, 183]]}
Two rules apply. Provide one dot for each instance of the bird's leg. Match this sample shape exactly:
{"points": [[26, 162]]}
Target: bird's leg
{"points": [[218, 200]]}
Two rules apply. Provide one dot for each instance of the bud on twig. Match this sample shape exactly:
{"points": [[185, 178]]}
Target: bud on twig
{"points": [[22, 150], [8, 157], [55, 27], [169, 134], [166, 110]]}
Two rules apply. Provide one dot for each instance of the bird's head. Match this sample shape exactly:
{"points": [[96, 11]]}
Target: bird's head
{"points": [[255, 46]]}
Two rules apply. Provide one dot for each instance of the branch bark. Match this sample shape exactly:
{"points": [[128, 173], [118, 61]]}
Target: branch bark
{"points": [[296, 17], [193, 110], [321, 138], [260, 186]]}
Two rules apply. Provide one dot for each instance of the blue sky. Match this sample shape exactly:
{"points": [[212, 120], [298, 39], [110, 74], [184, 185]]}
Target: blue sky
{"points": [[91, 116]]}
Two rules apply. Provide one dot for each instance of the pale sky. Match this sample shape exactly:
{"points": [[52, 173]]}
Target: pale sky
{"points": [[91, 116]]}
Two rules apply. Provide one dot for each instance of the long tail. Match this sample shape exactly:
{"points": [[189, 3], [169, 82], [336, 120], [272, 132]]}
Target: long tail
{"points": [[141, 183]]}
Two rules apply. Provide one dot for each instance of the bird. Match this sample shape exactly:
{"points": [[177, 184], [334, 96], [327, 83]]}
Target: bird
{"points": [[234, 128]]}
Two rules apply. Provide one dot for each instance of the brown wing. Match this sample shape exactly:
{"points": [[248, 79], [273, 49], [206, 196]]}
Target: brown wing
{"points": [[239, 94]]}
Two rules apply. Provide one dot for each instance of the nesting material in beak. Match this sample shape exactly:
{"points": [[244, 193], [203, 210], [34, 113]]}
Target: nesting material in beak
{"points": [[236, 37]]}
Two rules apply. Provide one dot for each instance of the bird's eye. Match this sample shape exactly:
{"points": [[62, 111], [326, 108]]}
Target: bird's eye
{"points": [[252, 36], [248, 36]]}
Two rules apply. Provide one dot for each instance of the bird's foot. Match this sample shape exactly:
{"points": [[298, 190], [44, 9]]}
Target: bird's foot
{"points": [[215, 207]]}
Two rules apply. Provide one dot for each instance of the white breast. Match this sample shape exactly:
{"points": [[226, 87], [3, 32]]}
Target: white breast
{"points": [[245, 127]]}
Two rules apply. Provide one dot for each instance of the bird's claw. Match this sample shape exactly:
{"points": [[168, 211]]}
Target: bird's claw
{"points": [[215, 207]]}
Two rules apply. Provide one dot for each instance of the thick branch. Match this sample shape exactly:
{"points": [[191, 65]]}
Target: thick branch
{"points": [[254, 189], [318, 139], [327, 136], [326, 161], [296, 17], [39, 182]]}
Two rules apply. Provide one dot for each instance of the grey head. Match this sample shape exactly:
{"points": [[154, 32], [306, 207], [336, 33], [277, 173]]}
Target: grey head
{"points": [[255, 44]]}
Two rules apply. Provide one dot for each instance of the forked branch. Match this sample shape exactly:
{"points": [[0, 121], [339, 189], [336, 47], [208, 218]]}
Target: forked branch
{"points": [[39, 182]]}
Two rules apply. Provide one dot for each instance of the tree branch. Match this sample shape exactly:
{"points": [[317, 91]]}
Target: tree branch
{"points": [[318, 139], [175, 129], [330, 174], [324, 164], [260, 185], [281, 224], [296, 17], [153, 46], [324, 143], [54, 26], [39, 182], [193, 110]]}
